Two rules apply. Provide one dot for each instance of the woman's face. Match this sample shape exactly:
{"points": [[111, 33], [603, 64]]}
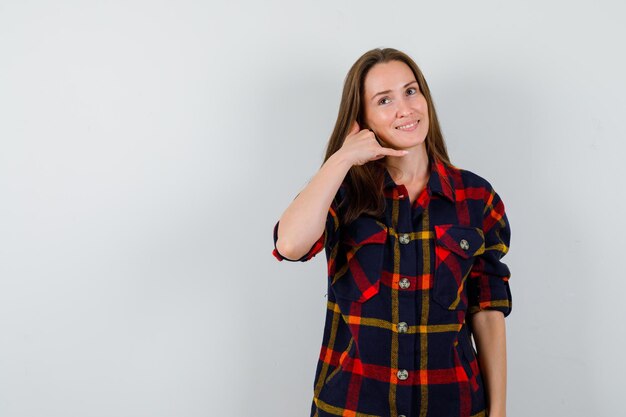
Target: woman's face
{"points": [[394, 106]]}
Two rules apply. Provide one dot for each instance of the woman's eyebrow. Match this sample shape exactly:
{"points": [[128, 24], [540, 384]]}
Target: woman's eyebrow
{"points": [[389, 91]]}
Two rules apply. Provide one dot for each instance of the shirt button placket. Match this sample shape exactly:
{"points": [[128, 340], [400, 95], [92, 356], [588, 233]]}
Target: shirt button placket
{"points": [[404, 238], [402, 326]]}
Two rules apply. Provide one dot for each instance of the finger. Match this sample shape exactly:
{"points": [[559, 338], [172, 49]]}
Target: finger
{"points": [[393, 152]]}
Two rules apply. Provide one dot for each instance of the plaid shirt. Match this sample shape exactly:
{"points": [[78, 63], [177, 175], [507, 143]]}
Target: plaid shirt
{"points": [[396, 340]]}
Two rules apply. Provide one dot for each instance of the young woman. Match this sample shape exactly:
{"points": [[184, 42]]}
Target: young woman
{"points": [[413, 246]]}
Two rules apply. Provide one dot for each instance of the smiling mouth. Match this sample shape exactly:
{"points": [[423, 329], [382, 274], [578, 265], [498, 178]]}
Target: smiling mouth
{"points": [[408, 126]]}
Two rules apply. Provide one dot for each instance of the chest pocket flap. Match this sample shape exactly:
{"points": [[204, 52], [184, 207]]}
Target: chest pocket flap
{"points": [[456, 247], [362, 250], [465, 241]]}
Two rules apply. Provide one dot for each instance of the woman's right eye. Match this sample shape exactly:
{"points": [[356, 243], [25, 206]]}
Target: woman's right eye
{"points": [[383, 100]]}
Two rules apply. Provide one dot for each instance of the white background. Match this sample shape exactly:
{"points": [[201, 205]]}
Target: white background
{"points": [[148, 148]]}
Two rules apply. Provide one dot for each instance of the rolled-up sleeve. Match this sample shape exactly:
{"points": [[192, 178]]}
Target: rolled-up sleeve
{"points": [[488, 285], [328, 237]]}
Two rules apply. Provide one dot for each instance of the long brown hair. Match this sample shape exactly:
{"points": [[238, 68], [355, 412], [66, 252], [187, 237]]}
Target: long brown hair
{"points": [[365, 182]]}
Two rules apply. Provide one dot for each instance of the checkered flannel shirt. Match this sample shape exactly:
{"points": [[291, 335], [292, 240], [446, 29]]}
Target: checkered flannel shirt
{"points": [[396, 340]]}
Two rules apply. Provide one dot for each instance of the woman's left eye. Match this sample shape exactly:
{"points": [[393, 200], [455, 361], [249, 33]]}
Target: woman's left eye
{"points": [[411, 91]]}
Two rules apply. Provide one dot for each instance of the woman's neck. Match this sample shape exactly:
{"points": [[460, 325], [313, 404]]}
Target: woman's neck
{"points": [[411, 168]]}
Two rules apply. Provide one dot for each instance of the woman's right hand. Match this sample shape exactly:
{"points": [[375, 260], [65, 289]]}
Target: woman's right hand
{"points": [[361, 146]]}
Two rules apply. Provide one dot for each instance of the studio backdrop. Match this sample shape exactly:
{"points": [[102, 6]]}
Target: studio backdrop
{"points": [[148, 148]]}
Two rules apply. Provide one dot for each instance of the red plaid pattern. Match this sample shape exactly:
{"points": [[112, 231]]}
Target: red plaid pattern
{"points": [[396, 341]]}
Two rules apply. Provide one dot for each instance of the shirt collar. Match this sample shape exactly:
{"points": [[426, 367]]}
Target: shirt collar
{"points": [[440, 180]]}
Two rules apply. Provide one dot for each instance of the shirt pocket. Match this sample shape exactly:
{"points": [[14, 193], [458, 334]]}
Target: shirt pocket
{"points": [[363, 251], [456, 248]]}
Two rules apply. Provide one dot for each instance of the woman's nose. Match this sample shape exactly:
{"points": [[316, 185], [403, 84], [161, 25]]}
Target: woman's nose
{"points": [[404, 109]]}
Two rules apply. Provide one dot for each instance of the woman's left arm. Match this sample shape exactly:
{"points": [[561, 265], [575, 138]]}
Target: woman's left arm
{"points": [[490, 335]]}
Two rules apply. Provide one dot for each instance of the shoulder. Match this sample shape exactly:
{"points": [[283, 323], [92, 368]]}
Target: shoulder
{"points": [[480, 190], [471, 179]]}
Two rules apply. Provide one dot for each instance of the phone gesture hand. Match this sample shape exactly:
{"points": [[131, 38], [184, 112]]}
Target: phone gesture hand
{"points": [[361, 147]]}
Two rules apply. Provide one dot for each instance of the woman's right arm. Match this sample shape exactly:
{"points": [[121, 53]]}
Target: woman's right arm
{"points": [[304, 220]]}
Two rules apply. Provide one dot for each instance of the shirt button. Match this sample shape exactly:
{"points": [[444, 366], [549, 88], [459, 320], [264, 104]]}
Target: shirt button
{"points": [[403, 327], [404, 238], [403, 374], [405, 283], [464, 244]]}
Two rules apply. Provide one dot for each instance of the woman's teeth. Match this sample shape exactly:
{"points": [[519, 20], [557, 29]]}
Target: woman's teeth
{"points": [[407, 127]]}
